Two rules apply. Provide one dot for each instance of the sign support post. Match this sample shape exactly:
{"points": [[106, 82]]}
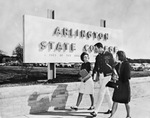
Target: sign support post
{"points": [[102, 23], [51, 67]]}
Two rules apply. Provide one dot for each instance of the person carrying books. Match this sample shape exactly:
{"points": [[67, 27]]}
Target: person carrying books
{"points": [[87, 84]]}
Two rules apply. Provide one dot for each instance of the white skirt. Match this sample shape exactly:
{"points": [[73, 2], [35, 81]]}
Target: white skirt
{"points": [[87, 87]]}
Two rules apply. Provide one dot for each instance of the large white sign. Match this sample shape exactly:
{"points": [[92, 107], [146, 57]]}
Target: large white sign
{"points": [[48, 40]]}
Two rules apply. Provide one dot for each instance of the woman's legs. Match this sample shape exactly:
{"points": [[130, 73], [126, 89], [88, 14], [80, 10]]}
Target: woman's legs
{"points": [[92, 99], [79, 99], [127, 109], [114, 108]]}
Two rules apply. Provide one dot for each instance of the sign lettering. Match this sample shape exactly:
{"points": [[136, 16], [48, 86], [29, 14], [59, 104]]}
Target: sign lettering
{"points": [[51, 41]]}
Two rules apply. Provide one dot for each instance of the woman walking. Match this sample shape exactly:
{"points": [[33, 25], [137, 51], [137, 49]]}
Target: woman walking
{"points": [[87, 84], [122, 94]]}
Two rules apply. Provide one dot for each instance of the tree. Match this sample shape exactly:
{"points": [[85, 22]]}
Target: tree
{"points": [[19, 53], [2, 54], [26, 68], [1, 51]]}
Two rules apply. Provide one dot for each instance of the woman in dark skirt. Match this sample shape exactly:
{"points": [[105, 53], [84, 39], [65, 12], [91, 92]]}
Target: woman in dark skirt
{"points": [[122, 94]]}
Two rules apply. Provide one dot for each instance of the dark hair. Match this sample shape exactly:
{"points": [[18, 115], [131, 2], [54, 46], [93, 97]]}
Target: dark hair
{"points": [[99, 45], [82, 55], [121, 55]]}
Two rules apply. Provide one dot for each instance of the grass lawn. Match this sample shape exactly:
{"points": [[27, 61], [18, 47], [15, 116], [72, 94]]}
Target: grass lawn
{"points": [[12, 75]]}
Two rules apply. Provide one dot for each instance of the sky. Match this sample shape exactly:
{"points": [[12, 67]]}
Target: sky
{"points": [[130, 16]]}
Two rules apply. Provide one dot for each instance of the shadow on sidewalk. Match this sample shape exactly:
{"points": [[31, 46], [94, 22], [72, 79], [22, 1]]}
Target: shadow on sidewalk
{"points": [[65, 113], [69, 112], [40, 103], [59, 97]]}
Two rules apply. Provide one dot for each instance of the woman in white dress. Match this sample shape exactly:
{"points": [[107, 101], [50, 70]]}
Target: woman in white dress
{"points": [[87, 84]]}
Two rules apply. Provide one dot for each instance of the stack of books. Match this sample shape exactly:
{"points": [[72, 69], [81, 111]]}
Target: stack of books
{"points": [[83, 73]]}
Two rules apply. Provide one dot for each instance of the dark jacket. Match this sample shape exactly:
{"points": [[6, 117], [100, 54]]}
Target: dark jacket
{"points": [[125, 71], [122, 94], [106, 62]]}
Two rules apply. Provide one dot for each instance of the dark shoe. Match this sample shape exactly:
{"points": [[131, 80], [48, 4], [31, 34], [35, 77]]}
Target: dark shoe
{"points": [[74, 108], [93, 114], [108, 112], [91, 108]]}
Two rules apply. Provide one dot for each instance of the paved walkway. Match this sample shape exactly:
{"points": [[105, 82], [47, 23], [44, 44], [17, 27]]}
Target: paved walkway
{"points": [[140, 108], [16, 98]]}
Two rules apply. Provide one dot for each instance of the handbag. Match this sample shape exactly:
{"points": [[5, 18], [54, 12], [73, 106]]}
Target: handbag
{"points": [[123, 93], [112, 84]]}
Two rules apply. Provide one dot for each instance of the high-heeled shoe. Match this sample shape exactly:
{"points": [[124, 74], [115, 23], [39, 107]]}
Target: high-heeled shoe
{"points": [[93, 114], [74, 108], [108, 112], [91, 108]]}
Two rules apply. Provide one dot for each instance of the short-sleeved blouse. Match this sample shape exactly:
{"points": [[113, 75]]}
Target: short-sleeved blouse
{"points": [[86, 66]]}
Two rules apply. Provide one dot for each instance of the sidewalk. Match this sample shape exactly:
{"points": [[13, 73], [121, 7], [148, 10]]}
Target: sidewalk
{"points": [[140, 108], [16, 102]]}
